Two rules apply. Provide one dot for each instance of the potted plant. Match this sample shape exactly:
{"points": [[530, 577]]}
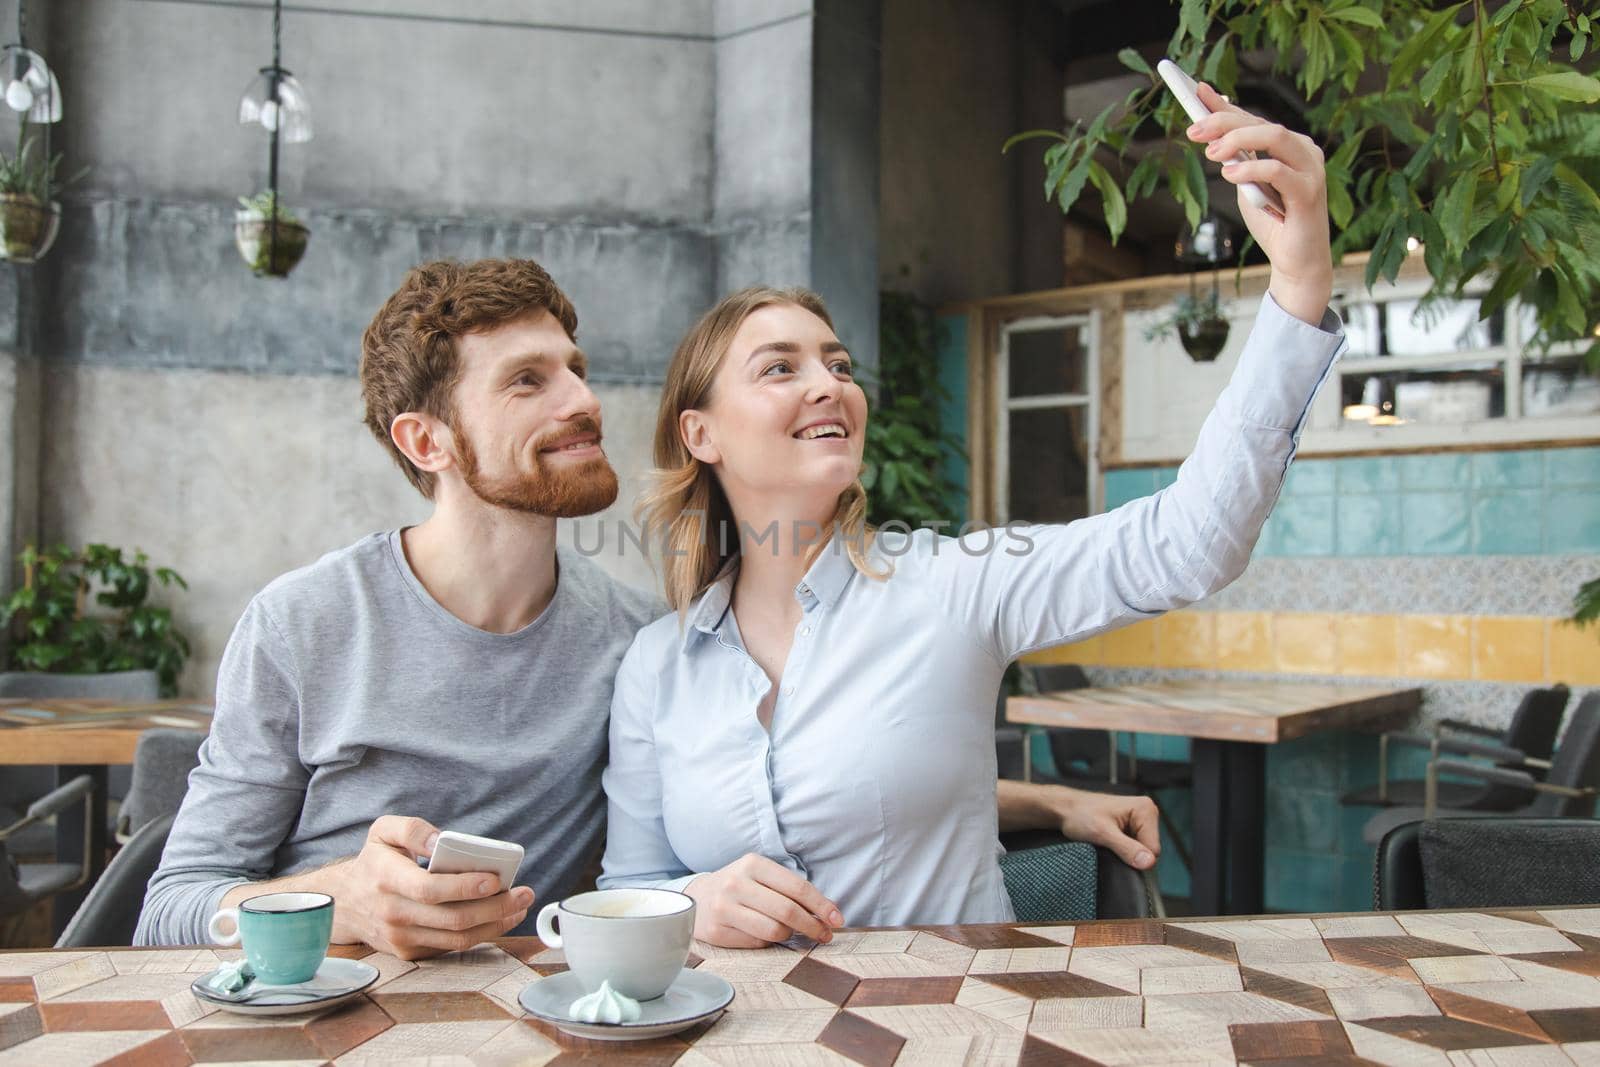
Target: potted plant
{"points": [[53, 630], [269, 237], [30, 216], [1198, 320]]}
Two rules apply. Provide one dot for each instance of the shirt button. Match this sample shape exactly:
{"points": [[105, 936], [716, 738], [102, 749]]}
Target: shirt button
{"points": [[805, 631], [803, 589], [788, 690]]}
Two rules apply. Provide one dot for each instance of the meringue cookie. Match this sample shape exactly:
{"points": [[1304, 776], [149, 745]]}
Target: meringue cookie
{"points": [[604, 1005]]}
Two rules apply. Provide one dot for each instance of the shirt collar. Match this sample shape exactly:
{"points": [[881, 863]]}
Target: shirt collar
{"points": [[823, 584]]}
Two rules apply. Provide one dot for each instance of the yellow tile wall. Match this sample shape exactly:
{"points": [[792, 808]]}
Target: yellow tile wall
{"points": [[1436, 646], [1368, 645], [1510, 648]]}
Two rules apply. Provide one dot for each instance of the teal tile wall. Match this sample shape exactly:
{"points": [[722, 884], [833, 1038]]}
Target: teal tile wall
{"points": [[950, 348], [1527, 502], [1316, 858]]}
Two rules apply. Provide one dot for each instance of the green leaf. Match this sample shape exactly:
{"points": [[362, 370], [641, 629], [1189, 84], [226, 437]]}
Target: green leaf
{"points": [[1361, 16], [1134, 61], [1574, 181], [1072, 184], [1340, 206], [1567, 85], [1199, 195], [1505, 13], [1533, 181], [1116, 207], [1434, 79], [1028, 135], [1454, 210], [1191, 21], [1417, 48]]}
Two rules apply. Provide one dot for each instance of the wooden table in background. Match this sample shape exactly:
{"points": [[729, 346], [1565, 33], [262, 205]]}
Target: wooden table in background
{"points": [[1230, 723], [1499, 987], [86, 737]]}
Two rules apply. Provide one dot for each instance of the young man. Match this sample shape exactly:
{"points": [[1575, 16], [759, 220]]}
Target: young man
{"points": [[452, 675]]}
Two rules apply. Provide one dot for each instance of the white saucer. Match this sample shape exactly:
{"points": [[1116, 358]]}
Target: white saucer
{"points": [[336, 981], [695, 997]]}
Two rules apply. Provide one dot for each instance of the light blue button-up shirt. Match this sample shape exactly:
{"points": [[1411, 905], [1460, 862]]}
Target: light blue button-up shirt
{"points": [[876, 781]]}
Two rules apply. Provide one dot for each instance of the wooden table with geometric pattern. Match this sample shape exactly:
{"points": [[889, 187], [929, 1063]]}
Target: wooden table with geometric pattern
{"points": [[1230, 722], [1497, 989]]}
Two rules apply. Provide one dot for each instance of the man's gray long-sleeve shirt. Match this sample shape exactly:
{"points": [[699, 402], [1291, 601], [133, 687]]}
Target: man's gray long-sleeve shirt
{"points": [[347, 692]]}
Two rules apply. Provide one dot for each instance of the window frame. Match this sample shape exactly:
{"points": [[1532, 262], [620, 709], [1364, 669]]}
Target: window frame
{"points": [[1089, 323]]}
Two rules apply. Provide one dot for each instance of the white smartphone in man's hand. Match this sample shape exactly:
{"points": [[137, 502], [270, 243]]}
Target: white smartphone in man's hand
{"points": [[458, 853], [1183, 87]]}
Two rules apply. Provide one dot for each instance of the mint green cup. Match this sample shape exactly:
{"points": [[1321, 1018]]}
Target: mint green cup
{"points": [[285, 935]]}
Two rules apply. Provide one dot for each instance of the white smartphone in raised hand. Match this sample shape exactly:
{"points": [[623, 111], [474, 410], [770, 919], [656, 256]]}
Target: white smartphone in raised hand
{"points": [[1184, 88], [458, 853]]}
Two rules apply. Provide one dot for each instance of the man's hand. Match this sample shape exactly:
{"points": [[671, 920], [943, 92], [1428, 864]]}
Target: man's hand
{"points": [[397, 907], [1128, 826], [753, 902], [383, 899]]}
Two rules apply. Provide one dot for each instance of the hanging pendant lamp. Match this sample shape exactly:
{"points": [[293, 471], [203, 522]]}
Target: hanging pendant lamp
{"points": [[268, 236]]}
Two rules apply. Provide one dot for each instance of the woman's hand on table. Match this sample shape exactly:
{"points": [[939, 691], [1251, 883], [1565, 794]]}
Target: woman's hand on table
{"points": [[754, 902], [1298, 243]]}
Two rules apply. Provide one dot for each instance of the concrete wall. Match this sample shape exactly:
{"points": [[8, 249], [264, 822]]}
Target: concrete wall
{"points": [[652, 156], [958, 220]]}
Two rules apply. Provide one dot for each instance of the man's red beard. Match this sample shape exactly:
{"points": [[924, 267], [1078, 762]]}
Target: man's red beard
{"points": [[571, 491]]}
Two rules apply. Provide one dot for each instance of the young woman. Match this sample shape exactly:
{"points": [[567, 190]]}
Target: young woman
{"points": [[809, 740]]}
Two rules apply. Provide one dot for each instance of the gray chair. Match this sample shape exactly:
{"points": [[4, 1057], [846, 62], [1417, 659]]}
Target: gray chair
{"points": [[1569, 788], [1088, 759], [1052, 879], [1527, 741], [1496, 862], [161, 764], [110, 913], [23, 885]]}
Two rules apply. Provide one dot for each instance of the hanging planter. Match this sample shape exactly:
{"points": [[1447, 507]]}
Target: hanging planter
{"points": [[268, 236], [30, 214], [1199, 323], [28, 227], [1203, 336]]}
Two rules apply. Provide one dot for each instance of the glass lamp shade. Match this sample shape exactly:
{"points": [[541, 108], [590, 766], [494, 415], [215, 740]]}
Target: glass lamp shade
{"points": [[289, 112], [1210, 242], [30, 86]]}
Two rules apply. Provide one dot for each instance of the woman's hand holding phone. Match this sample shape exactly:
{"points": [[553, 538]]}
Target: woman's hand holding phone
{"points": [[1298, 244]]}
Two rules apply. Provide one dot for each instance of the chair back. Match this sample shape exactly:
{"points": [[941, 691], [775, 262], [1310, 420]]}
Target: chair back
{"points": [[1494, 862], [110, 913], [1576, 763], [162, 761], [1537, 720], [113, 685], [1052, 879], [1084, 752]]}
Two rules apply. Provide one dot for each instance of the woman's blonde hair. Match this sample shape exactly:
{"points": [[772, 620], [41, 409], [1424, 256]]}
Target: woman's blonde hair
{"points": [[684, 505]]}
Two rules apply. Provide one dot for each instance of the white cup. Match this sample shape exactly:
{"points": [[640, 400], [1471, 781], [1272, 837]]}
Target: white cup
{"points": [[636, 939]]}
